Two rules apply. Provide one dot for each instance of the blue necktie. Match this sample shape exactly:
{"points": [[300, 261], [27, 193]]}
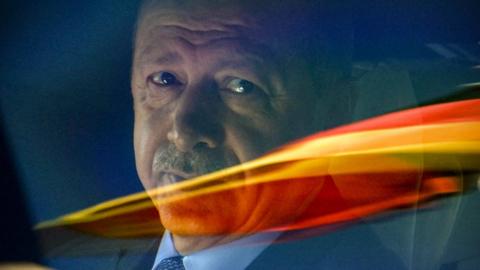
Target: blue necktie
{"points": [[172, 263]]}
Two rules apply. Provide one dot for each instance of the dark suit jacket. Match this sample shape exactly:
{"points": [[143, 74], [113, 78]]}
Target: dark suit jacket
{"points": [[352, 248], [356, 247]]}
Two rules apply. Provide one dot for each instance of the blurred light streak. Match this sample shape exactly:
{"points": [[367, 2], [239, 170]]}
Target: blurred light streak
{"points": [[394, 161]]}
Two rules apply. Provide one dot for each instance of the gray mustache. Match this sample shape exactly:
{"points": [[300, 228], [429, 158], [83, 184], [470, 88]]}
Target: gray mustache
{"points": [[197, 162]]}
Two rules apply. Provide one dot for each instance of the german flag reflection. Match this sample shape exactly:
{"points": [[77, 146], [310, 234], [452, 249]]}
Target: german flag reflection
{"points": [[395, 161]]}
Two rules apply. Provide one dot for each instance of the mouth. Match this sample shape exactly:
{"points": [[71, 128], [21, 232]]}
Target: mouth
{"points": [[172, 177]]}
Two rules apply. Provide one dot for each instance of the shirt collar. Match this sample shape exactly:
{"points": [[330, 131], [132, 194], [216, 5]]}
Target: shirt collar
{"points": [[236, 255], [166, 249]]}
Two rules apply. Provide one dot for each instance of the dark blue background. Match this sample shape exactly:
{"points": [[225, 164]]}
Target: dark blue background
{"points": [[66, 101], [65, 86]]}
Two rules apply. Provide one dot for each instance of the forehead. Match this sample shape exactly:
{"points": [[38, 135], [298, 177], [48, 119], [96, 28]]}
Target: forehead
{"points": [[232, 29], [199, 16]]}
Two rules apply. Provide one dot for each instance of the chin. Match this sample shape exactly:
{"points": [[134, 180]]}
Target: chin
{"points": [[201, 216], [240, 212]]}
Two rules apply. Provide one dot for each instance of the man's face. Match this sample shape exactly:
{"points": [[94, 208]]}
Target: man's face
{"points": [[210, 93]]}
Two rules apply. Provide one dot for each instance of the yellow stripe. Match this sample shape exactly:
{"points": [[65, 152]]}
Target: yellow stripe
{"points": [[397, 149]]}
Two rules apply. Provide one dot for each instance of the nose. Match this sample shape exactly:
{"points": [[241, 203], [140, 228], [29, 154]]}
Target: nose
{"points": [[196, 120]]}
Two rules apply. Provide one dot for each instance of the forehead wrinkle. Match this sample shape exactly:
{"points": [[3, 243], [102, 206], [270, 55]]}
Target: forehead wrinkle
{"points": [[200, 36], [195, 27], [152, 39], [210, 20], [161, 50], [173, 38], [193, 37]]}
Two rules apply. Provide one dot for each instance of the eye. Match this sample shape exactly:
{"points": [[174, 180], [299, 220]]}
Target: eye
{"points": [[240, 86], [163, 79]]}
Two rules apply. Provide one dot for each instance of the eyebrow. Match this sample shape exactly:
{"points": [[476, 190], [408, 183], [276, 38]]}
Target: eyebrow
{"points": [[164, 58], [243, 61], [241, 57]]}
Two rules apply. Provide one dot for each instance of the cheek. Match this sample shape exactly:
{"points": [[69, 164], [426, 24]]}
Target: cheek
{"points": [[282, 202], [149, 134], [251, 138], [255, 132]]}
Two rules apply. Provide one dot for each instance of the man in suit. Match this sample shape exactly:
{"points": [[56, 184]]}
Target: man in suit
{"points": [[219, 83]]}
